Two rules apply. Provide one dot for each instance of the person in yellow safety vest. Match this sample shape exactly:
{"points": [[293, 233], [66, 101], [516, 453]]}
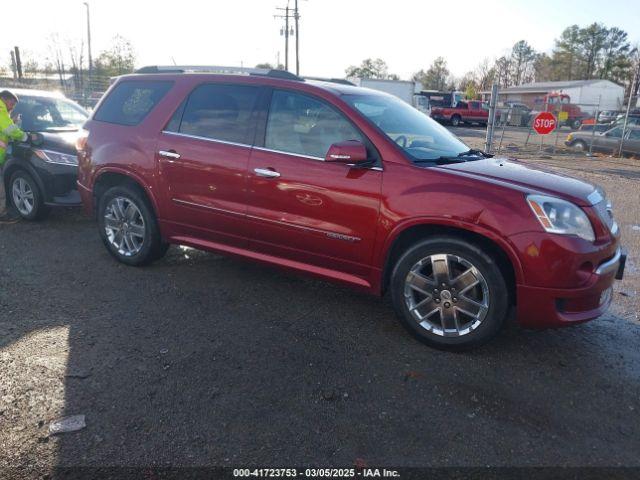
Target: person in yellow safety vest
{"points": [[9, 131]]}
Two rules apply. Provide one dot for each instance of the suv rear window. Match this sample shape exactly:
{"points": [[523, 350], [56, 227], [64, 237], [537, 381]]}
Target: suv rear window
{"points": [[130, 101]]}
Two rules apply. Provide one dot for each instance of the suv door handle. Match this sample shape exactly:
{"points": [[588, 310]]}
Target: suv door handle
{"points": [[265, 172], [169, 154]]}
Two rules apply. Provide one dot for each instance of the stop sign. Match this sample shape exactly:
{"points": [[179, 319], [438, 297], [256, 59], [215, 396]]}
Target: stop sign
{"points": [[544, 123]]}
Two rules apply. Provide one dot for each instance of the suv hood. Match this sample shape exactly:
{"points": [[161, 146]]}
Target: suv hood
{"points": [[526, 178]]}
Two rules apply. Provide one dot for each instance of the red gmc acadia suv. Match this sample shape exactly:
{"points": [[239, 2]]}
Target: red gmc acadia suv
{"points": [[350, 185]]}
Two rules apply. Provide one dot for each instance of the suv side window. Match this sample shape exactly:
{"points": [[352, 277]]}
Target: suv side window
{"points": [[130, 101], [220, 112], [303, 125], [615, 132]]}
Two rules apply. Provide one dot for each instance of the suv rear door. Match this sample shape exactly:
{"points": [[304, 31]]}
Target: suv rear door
{"points": [[302, 208], [203, 154]]}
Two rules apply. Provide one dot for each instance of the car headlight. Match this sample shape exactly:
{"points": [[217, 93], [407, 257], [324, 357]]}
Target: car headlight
{"points": [[562, 217], [51, 156], [569, 137]]}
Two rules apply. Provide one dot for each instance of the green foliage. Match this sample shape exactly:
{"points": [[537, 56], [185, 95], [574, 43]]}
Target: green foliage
{"points": [[470, 92], [118, 60], [371, 68], [594, 51], [437, 76], [269, 66]]}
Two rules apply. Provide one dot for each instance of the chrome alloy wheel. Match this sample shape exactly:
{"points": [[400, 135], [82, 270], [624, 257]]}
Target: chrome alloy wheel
{"points": [[23, 197], [446, 295], [124, 226]]}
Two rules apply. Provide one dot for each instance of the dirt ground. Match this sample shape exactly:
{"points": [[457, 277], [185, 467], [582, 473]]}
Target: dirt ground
{"points": [[202, 360]]}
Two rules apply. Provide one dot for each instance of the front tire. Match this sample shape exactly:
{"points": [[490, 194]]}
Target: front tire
{"points": [[27, 197], [449, 293], [580, 146], [456, 120], [128, 226]]}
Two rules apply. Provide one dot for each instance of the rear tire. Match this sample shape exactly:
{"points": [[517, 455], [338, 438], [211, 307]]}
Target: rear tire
{"points": [[454, 308], [575, 125], [456, 120], [128, 226], [26, 196], [580, 146]]}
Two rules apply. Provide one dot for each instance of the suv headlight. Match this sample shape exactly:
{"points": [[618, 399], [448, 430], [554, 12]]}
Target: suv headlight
{"points": [[51, 156], [559, 216]]}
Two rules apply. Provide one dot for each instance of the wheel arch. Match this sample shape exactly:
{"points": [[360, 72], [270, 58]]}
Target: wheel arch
{"points": [[499, 249], [108, 178], [12, 167]]}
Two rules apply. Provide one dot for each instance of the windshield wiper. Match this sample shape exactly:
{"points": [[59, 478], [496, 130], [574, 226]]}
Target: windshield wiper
{"points": [[459, 158], [475, 153]]}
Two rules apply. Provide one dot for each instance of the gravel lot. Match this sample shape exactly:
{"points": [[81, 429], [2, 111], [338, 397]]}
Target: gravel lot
{"points": [[202, 360]]}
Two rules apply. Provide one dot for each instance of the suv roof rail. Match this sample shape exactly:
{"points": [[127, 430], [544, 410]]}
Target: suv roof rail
{"points": [[266, 72], [341, 81]]}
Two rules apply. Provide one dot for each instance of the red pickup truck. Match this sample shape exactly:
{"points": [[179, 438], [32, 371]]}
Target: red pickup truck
{"points": [[464, 112]]}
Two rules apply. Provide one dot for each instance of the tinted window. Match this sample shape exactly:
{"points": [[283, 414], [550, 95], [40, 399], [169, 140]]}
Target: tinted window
{"points": [[301, 124], [634, 134], [220, 112], [41, 114], [130, 102]]}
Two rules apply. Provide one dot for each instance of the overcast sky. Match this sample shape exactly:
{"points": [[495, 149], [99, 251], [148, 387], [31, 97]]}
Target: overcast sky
{"points": [[407, 34]]}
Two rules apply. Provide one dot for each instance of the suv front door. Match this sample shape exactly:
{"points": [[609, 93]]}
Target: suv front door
{"points": [[203, 155], [302, 208]]}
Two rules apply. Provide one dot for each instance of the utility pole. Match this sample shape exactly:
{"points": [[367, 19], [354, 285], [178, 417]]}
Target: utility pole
{"points": [[18, 62], [286, 39], [14, 67], [287, 33], [296, 16], [86, 4]]}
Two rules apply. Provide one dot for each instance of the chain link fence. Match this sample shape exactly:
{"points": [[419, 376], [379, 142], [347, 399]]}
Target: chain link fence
{"points": [[85, 91], [580, 129]]}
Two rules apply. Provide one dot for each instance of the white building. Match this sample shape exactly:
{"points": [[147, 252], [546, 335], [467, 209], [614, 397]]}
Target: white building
{"points": [[585, 93]]}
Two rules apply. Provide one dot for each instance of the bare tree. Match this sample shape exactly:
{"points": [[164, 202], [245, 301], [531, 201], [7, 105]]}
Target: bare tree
{"points": [[77, 64], [58, 60], [485, 74]]}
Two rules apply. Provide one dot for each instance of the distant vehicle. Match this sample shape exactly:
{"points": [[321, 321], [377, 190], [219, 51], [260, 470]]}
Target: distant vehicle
{"points": [[404, 90], [515, 114], [42, 175], [556, 102], [607, 142], [633, 120], [472, 111], [443, 99], [608, 116]]}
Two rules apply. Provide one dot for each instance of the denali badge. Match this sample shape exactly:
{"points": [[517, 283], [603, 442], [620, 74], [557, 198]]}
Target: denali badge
{"points": [[339, 236]]}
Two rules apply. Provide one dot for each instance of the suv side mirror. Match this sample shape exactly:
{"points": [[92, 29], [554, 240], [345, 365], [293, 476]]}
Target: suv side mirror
{"points": [[350, 151], [35, 138]]}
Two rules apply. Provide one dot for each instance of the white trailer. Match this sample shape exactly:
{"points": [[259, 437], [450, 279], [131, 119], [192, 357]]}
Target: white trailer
{"points": [[406, 91]]}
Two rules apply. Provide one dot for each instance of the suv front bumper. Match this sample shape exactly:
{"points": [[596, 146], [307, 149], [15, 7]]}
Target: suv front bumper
{"points": [[540, 307]]}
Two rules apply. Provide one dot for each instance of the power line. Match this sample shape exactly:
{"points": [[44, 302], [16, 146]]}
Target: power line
{"points": [[288, 31]]}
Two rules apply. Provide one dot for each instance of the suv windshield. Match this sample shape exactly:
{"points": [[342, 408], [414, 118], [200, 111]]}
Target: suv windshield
{"points": [[420, 137], [44, 114]]}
